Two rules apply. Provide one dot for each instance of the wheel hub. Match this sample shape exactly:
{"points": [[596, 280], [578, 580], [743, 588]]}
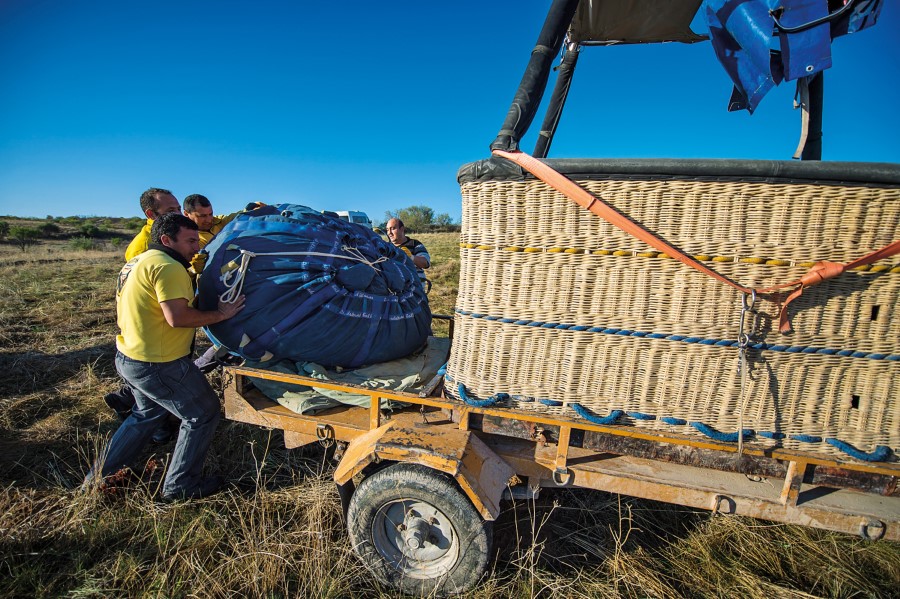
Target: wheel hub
{"points": [[417, 537], [417, 532]]}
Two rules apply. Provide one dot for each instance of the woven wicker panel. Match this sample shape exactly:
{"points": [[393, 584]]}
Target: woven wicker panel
{"points": [[784, 222], [854, 311], [790, 394], [541, 278]]}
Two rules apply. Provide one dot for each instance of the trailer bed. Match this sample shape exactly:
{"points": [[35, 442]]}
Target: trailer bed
{"points": [[859, 498]]}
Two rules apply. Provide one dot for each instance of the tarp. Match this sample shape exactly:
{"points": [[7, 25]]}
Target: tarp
{"points": [[758, 54], [318, 289], [409, 374]]}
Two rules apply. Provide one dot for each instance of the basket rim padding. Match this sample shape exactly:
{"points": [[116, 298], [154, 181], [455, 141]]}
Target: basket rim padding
{"points": [[882, 174]]}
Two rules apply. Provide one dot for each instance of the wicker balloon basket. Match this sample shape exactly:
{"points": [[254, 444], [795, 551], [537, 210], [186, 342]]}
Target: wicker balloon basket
{"points": [[560, 312]]}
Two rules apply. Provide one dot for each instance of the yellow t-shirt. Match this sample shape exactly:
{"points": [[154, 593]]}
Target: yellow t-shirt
{"points": [[218, 224], [143, 283], [140, 242]]}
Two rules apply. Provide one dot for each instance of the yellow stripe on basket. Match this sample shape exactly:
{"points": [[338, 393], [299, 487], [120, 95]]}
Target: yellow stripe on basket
{"points": [[893, 269]]}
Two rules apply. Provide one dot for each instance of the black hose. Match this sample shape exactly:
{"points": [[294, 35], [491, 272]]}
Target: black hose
{"points": [[531, 89]]}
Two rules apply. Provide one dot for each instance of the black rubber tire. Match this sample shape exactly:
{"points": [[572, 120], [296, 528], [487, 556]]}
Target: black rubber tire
{"points": [[454, 555]]}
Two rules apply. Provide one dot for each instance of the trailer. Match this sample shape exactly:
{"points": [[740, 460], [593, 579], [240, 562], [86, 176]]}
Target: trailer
{"points": [[714, 409], [421, 485]]}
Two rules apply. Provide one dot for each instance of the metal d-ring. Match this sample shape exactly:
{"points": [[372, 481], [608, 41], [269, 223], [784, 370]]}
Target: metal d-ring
{"points": [[562, 477], [325, 435], [872, 530]]}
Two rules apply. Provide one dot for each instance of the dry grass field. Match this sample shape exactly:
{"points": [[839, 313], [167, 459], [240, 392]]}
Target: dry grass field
{"points": [[277, 530]]}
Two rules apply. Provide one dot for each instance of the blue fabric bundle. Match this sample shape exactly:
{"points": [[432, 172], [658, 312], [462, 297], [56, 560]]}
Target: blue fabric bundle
{"points": [[318, 289], [758, 55]]}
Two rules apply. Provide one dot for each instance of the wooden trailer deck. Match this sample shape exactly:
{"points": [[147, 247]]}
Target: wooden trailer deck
{"points": [[859, 498]]}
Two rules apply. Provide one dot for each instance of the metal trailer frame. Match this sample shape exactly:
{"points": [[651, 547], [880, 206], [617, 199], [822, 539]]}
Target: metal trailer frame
{"points": [[493, 453]]}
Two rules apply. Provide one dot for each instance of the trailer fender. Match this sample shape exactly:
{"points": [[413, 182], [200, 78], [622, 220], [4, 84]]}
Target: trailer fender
{"points": [[480, 473]]}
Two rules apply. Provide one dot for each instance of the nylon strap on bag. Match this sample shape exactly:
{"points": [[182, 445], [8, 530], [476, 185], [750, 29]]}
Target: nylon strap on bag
{"points": [[821, 271]]}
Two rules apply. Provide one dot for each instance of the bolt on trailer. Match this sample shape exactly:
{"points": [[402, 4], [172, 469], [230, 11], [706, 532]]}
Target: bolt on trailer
{"points": [[588, 356]]}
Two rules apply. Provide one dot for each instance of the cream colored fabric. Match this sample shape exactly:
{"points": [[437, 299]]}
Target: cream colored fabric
{"points": [[407, 374]]}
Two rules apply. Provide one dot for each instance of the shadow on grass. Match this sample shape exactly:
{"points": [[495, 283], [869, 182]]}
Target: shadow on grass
{"points": [[35, 371]]}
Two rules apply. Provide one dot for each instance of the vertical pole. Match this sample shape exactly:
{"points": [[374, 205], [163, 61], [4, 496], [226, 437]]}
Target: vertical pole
{"points": [[812, 150], [374, 411], [531, 89], [792, 481], [557, 101]]}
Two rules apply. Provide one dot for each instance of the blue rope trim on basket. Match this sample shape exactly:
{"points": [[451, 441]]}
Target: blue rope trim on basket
{"points": [[480, 403], [720, 436], [613, 415], [641, 416], [881, 453], [790, 349]]}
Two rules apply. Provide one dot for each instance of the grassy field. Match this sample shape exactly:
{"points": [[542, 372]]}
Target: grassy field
{"points": [[277, 530]]}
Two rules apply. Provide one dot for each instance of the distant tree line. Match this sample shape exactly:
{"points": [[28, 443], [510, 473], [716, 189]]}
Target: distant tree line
{"points": [[421, 219], [82, 233]]}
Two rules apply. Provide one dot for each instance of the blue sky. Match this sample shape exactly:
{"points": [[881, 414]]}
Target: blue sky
{"points": [[362, 105]]}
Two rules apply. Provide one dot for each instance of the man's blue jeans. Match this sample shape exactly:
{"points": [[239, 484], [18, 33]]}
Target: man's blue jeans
{"points": [[176, 387]]}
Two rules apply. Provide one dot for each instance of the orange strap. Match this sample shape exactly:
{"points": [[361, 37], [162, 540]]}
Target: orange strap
{"points": [[822, 271], [583, 198]]}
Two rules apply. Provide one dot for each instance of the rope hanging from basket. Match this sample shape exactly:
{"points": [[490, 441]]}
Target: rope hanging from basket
{"points": [[821, 271]]}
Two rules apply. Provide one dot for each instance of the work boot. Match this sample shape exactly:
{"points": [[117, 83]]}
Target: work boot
{"points": [[206, 487], [120, 401]]}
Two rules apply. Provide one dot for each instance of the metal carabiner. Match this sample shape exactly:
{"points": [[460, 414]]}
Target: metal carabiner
{"points": [[748, 306], [748, 300]]}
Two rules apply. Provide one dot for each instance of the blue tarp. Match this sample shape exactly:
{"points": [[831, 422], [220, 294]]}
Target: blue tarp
{"points": [[318, 289], [758, 55]]}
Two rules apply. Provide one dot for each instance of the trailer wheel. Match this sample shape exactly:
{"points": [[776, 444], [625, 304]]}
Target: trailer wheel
{"points": [[416, 531]]}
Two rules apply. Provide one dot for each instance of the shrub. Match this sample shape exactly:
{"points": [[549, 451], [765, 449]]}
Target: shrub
{"points": [[4, 229], [82, 243], [49, 229], [24, 236], [89, 230]]}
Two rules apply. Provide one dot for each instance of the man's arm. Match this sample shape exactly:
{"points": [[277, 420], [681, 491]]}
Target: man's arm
{"points": [[421, 261], [420, 256], [179, 314]]}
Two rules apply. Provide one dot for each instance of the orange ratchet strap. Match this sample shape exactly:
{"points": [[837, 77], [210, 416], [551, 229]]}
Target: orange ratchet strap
{"points": [[822, 271]]}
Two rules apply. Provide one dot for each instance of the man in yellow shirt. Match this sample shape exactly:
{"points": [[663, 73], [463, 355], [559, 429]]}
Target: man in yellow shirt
{"points": [[156, 319], [199, 209], [154, 203]]}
